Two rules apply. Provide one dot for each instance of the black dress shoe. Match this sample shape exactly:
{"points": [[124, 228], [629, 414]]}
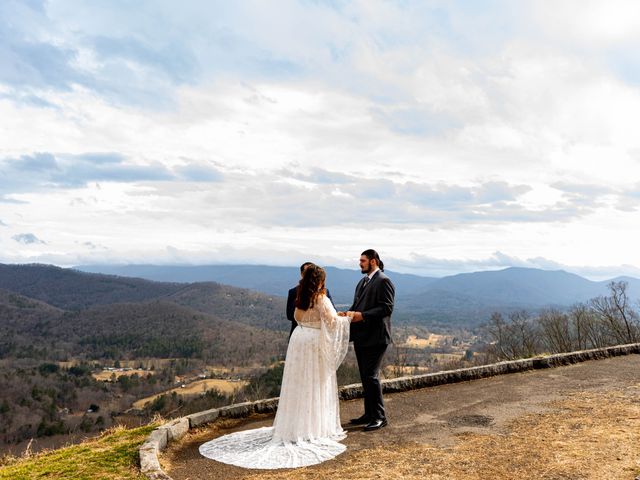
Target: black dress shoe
{"points": [[375, 425], [360, 420]]}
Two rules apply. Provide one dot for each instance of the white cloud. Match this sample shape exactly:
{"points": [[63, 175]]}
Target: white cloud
{"points": [[597, 24], [430, 130]]}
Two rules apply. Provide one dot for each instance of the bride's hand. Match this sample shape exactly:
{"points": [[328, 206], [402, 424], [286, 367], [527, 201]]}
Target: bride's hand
{"points": [[342, 314]]}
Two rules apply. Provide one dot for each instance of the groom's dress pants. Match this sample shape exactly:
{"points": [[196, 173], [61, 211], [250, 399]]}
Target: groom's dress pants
{"points": [[369, 363]]}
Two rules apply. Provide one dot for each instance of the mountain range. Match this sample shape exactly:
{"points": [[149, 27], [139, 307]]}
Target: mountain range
{"points": [[266, 279], [215, 294], [465, 295]]}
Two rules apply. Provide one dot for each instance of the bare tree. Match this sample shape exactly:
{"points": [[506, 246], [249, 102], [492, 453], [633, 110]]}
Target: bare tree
{"points": [[399, 362], [516, 338], [616, 313], [497, 330], [556, 331], [257, 389], [589, 331], [525, 333]]}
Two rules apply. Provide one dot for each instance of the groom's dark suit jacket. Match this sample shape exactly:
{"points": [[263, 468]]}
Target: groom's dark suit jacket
{"points": [[375, 302]]}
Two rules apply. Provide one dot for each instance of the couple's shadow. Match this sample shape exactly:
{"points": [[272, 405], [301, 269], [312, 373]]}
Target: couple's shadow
{"points": [[349, 427], [352, 427]]}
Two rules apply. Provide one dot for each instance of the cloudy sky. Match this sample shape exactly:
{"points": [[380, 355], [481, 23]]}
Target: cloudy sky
{"points": [[450, 136]]}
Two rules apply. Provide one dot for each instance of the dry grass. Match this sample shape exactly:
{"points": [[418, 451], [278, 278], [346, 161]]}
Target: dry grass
{"points": [[112, 456], [196, 388], [434, 340], [105, 375], [392, 371], [223, 386], [447, 357], [238, 371], [586, 436]]}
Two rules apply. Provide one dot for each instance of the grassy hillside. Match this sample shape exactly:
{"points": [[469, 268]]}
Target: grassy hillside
{"points": [[114, 455]]}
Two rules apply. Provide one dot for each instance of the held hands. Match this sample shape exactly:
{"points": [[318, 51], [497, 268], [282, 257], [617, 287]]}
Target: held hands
{"points": [[354, 316]]}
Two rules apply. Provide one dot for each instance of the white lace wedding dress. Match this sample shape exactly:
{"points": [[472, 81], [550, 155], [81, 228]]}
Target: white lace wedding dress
{"points": [[306, 429]]}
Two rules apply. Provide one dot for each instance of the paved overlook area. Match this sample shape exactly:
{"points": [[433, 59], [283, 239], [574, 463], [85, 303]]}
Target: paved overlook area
{"points": [[573, 422]]}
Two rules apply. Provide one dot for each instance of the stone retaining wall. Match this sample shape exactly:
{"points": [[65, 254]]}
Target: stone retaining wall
{"points": [[175, 429]]}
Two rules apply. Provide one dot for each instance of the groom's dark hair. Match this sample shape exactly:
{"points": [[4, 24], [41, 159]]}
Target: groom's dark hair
{"points": [[304, 266], [371, 254]]}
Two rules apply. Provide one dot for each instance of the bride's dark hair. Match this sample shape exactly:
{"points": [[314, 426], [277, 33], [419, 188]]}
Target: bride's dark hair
{"points": [[311, 285]]}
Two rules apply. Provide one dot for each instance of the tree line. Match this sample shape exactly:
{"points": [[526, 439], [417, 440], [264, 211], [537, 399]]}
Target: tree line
{"points": [[603, 321]]}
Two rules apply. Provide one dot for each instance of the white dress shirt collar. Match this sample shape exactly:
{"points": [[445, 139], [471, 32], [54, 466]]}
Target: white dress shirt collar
{"points": [[373, 273]]}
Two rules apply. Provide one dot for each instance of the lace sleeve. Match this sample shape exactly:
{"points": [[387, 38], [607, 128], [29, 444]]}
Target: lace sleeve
{"points": [[334, 341]]}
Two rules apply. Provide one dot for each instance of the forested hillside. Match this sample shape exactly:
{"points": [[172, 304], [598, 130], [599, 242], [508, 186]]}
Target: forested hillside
{"points": [[60, 327], [74, 290]]}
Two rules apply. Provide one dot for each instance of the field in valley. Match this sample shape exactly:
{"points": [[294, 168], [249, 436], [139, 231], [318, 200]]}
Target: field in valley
{"points": [[195, 388]]}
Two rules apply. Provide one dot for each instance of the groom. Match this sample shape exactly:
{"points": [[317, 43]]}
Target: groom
{"points": [[371, 335]]}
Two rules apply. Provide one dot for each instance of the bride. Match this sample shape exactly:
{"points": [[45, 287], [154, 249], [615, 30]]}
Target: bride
{"points": [[306, 429]]}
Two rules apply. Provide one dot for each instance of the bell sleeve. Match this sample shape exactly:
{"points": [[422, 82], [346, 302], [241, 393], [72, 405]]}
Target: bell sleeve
{"points": [[334, 338]]}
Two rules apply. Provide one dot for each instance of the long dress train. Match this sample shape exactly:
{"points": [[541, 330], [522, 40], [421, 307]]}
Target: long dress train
{"points": [[306, 429]]}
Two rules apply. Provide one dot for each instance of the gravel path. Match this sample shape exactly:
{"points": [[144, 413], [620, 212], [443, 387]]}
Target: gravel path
{"points": [[435, 416]]}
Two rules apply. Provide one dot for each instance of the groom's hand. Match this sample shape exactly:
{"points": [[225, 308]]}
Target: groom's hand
{"points": [[357, 317]]}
